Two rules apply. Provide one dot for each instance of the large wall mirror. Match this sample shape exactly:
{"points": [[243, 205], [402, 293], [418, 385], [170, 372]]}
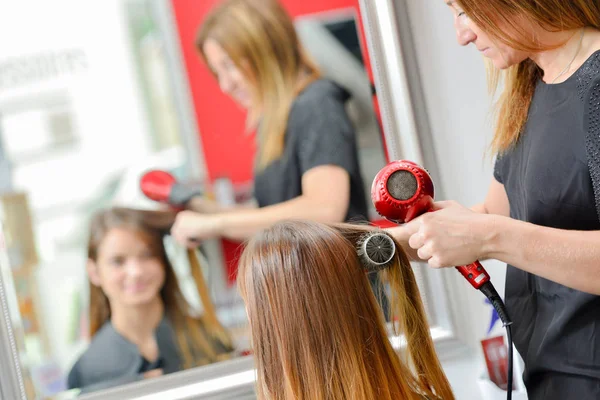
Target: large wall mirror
{"points": [[117, 90]]}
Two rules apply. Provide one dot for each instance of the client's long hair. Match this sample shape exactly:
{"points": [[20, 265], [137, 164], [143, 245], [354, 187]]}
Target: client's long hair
{"points": [[317, 330]]}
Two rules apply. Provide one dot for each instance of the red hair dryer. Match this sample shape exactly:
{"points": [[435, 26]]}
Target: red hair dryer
{"points": [[162, 187], [402, 191]]}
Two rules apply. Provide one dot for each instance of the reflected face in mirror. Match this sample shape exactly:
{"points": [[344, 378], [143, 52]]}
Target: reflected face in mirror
{"points": [[467, 32], [231, 79], [127, 270]]}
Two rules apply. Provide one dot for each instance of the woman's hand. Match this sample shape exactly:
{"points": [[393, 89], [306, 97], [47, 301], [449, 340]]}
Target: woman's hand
{"points": [[452, 235], [154, 373], [203, 205], [190, 228]]}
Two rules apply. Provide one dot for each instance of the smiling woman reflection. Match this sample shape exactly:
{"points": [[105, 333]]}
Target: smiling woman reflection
{"points": [[140, 322]]}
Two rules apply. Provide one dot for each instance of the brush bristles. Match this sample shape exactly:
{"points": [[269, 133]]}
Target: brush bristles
{"points": [[376, 250]]}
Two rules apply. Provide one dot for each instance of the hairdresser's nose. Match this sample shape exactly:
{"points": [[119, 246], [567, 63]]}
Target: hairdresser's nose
{"points": [[226, 83], [464, 34]]}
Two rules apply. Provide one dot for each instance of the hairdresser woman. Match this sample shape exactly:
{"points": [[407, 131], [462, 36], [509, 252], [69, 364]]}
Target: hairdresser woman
{"points": [[307, 162], [540, 214]]}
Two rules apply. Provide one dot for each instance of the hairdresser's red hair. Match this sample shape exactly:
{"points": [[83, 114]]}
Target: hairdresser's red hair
{"points": [[503, 20]]}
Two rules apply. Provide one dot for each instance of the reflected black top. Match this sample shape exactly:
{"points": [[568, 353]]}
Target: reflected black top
{"points": [[547, 179], [319, 132], [111, 360]]}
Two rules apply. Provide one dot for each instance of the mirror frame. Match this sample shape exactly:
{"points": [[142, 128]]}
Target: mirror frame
{"points": [[406, 133], [11, 379]]}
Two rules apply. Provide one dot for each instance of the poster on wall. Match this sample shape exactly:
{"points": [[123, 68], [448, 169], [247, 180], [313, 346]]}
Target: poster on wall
{"points": [[34, 128]]}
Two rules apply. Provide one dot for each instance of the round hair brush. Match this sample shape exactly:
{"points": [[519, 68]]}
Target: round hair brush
{"points": [[376, 250]]}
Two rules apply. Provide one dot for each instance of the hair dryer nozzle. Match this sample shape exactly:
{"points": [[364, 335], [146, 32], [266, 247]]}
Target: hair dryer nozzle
{"points": [[401, 191]]}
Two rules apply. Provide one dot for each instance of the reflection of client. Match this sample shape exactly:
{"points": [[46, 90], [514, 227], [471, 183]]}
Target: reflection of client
{"points": [[140, 322], [316, 329]]}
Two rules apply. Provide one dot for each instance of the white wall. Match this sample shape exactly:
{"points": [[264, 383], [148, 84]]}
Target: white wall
{"points": [[459, 109]]}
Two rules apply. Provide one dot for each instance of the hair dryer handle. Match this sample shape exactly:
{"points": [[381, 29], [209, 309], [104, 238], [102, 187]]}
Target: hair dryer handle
{"points": [[475, 274]]}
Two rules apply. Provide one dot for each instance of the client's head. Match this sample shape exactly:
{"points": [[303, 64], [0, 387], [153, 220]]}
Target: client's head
{"points": [[317, 329]]}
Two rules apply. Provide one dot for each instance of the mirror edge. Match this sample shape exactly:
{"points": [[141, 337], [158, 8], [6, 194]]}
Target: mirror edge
{"points": [[12, 385], [397, 114]]}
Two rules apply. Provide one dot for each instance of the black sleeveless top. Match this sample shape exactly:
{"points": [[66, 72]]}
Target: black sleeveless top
{"points": [[547, 179], [319, 132]]}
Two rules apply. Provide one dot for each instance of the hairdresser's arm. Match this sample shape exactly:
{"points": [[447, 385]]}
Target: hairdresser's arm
{"points": [[325, 198], [571, 258], [455, 235]]}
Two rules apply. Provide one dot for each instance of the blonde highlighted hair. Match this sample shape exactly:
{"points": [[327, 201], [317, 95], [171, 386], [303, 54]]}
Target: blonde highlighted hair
{"points": [[260, 38], [503, 21], [317, 330], [201, 339]]}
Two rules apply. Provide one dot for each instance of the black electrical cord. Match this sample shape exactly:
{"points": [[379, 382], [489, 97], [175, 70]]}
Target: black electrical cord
{"points": [[509, 378], [490, 292]]}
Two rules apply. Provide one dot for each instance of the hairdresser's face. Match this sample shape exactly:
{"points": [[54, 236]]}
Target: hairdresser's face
{"points": [[231, 79], [127, 270], [468, 32]]}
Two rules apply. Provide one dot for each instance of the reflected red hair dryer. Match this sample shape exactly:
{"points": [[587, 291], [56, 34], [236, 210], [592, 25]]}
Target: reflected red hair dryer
{"points": [[161, 186]]}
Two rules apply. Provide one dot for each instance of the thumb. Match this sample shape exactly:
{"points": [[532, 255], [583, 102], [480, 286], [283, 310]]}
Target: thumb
{"points": [[403, 232], [410, 228]]}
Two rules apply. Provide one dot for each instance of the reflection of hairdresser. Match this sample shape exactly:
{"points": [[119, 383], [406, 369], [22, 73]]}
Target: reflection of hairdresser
{"points": [[307, 162], [140, 323]]}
